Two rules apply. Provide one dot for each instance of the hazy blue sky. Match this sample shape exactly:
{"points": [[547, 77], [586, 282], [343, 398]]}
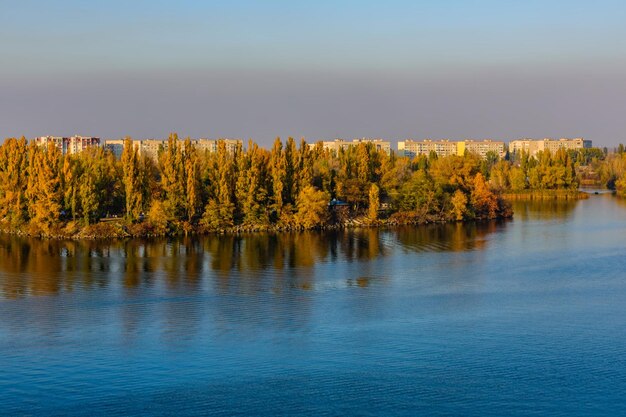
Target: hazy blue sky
{"points": [[318, 69]]}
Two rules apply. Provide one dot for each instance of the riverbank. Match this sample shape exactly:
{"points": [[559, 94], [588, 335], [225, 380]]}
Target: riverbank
{"points": [[546, 195], [119, 228]]}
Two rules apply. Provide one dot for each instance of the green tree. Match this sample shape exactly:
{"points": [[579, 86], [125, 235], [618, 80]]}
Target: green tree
{"points": [[500, 175], [517, 179]]}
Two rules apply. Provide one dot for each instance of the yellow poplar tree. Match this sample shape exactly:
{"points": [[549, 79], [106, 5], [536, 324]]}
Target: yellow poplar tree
{"points": [[70, 177], [13, 180], [278, 168], [193, 195], [130, 172], [374, 203], [44, 191], [459, 205]]}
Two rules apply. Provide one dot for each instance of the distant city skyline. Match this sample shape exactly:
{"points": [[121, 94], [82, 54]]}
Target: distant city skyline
{"points": [[319, 70]]}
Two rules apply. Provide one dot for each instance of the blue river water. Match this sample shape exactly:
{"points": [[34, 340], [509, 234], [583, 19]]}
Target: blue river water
{"points": [[520, 317]]}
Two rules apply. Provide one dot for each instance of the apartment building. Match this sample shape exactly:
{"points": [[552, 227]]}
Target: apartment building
{"points": [[72, 145], [481, 147], [210, 145], [338, 144], [413, 148], [116, 146], [445, 147], [533, 146], [150, 147], [58, 141]]}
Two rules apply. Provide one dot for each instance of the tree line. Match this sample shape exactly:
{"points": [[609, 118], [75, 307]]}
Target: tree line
{"points": [[610, 171], [290, 186]]}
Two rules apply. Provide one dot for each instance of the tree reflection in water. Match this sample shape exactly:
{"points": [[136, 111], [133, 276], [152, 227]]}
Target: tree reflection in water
{"points": [[231, 263]]}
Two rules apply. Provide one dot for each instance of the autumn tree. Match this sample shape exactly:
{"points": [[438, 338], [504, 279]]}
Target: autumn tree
{"points": [[459, 205], [219, 211], [13, 181], [374, 203], [304, 166], [324, 168], [252, 185], [484, 201], [192, 181], [278, 172], [454, 172], [43, 187], [290, 190], [312, 208], [133, 179], [92, 187], [173, 182], [71, 173]]}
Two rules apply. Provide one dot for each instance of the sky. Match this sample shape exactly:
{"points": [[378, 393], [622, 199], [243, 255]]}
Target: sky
{"points": [[501, 69]]}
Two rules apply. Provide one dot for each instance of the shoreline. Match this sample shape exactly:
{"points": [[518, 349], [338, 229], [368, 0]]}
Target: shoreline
{"points": [[530, 195], [119, 230]]}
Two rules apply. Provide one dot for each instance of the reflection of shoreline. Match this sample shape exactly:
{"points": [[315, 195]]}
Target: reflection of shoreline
{"points": [[448, 237], [36, 267], [543, 195], [543, 209]]}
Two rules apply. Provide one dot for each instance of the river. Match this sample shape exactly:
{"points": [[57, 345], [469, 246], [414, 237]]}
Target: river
{"points": [[518, 317]]}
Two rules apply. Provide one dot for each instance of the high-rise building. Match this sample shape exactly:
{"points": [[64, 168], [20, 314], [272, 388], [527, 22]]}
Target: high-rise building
{"points": [[58, 141]]}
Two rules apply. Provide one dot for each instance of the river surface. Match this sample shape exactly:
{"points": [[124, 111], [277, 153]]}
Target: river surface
{"points": [[521, 317]]}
